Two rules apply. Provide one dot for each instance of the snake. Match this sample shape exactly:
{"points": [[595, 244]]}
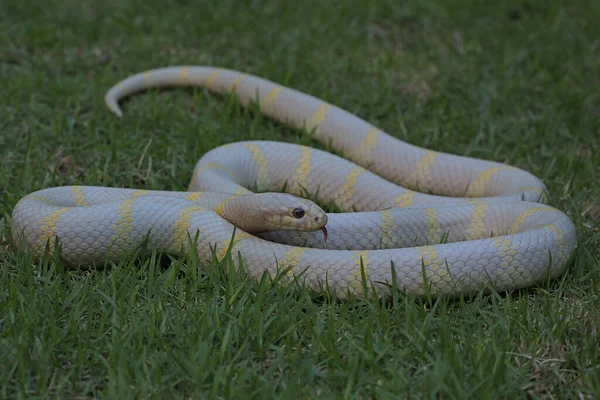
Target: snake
{"points": [[405, 218]]}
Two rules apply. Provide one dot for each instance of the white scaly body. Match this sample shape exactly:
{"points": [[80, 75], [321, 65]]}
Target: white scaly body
{"points": [[497, 234]]}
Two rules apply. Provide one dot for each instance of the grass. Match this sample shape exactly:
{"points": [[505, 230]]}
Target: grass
{"points": [[512, 81]]}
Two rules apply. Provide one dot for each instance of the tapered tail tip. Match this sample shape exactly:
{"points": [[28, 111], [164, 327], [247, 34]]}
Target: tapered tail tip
{"points": [[113, 105]]}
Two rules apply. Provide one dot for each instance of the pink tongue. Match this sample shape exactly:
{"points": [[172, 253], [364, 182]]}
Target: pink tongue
{"points": [[324, 233]]}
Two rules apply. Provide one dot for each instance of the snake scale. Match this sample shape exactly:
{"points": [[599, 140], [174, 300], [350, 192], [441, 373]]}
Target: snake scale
{"points": [[434, 222]]}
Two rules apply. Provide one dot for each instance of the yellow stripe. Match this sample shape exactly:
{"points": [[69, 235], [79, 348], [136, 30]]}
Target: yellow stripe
{"points": [[291, 260], [302, 171], [423, 168], [194, 196], [356, 281], [262, 162], [271, 96], [388, 229], [210, 81], [502, 243], [220, 208], [560, 237], [241, 190], [79, 196], [430, 256], [344, 197], [433, 234], [140, 192], [477, 187], [236, 81], [148, 77], [435, 269], [179, 241], [477, 228], [124, 223], [210, 166], [239, 237], [509, 264], [41, 198], [368, 144], [521, 218], [319, 116], [47, 231], [183, 75], [405, 199]]}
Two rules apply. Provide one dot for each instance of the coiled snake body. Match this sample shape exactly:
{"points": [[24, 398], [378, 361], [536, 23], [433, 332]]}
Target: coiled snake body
{"points": [[481, 224]]}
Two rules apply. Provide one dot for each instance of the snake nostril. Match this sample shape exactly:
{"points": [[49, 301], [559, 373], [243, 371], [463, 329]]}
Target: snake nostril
{"points": [[316, 219]]}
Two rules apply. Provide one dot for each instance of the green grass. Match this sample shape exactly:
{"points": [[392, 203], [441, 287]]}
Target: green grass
{"points": [[511, 81]]}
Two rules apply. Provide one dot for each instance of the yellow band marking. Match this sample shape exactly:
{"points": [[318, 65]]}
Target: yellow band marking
{"points": [[344, 198], [140, 192], [423, 168], [210, 81], [210, 166], [226, 245], [220, 208], [319, 116], [267, 101], [148, 77], [435, 273], [303, 169], [194, 196], [179, 240], [560, 237], [433, 233], [241, 190], [509, 264], [79, 196], [291, 259], [477, 228], [516, 226], [430, 257], [262, 162], [502, 243], [236, 81], [405, 199], [388, 229], [47, 231], [124, 223], [477, 187], [360, 264], [183, 75], [41, 198], [368, 144]]}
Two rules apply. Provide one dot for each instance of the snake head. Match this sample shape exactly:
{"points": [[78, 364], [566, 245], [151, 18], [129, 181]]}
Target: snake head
{"points": [[287, 212], [262, 212]]}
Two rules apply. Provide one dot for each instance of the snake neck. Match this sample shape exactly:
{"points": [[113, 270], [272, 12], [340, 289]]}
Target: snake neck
{"points": [[244, 211]]}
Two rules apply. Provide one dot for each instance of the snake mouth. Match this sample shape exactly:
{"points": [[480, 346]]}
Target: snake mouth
{"points": [[324, 230]]}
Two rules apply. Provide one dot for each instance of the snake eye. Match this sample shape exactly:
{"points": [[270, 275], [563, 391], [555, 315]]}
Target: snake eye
{"points": [[298, 212]]}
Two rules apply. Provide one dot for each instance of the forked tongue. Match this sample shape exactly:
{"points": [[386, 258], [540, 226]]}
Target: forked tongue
{"points": [[324, 233]]}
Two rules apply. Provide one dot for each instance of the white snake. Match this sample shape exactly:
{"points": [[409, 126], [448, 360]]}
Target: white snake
{"points": [[386, 230]]}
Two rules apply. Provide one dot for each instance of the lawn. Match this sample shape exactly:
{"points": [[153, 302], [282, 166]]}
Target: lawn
{"points": [[511, 81]]}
